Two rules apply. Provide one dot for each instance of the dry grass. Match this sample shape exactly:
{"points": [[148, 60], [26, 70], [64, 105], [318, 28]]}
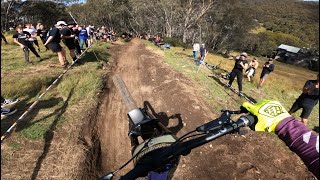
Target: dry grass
{"points": [[46, 145]]}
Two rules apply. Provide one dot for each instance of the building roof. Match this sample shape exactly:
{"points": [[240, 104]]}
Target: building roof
{"points": [[289, 48]]}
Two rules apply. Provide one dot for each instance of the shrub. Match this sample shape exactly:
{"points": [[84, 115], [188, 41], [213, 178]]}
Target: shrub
{"points": [[176, 42]]}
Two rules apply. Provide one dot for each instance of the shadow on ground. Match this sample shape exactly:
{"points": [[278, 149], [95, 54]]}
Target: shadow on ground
{"points": [[48, 136], [164, 118]]}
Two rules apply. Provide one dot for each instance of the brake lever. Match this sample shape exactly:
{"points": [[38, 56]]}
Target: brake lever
{"points": [[216, 124]]}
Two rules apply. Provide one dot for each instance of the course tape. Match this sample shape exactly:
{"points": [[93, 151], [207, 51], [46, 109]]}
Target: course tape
{"points": [[5, 135]]}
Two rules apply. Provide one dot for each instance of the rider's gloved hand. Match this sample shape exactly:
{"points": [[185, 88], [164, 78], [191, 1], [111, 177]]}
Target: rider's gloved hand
{"points": [[269, 114]]}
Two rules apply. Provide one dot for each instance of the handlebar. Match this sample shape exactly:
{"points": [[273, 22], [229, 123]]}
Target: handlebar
{"points": [[167, 154], [182, 148]]}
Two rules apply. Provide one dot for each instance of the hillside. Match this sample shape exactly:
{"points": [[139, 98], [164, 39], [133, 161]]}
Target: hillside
{"points": [[300, 19]]}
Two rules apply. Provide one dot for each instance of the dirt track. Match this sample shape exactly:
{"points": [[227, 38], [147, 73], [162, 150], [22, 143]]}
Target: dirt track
{"points": [[148, 78]]}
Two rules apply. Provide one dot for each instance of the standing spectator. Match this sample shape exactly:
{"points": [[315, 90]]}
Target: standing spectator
{"points": [[83, 37], [268, 67], [22, 39], [307, 100], [203, 52], [3, 38], [104, 33], [89, 31], [42, 33], [29, 28], [53, 40], [253, 65], [67, 36], [237, 71], [196, 48], [76, 32]]}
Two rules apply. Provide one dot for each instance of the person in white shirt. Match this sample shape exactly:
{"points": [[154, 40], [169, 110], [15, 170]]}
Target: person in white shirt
{"points": [[196, 48], [89, 31], [33, 39]]}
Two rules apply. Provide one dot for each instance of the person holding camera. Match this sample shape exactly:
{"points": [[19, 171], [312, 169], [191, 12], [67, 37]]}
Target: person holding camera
{"points": [[237, 71]]}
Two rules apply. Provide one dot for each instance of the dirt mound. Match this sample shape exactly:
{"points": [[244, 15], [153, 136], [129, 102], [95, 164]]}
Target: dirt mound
{"points": [[151, 81]]}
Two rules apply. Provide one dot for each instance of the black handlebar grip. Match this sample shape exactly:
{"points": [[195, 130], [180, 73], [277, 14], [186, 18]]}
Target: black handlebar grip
{"points": [[247, 120], [252, 119]]}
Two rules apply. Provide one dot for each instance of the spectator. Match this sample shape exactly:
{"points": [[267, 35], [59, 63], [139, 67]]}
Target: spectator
{"points": [[237, 71], [22, 39], [68, 39], [29, 28], [307, 100], [53, 43], [6, 104], [196, 48], [203, 52], [38, 26], [89, 39], [3, 38], [42, 33], [268, 67], [76, 32], [253, 65], [83, 37]]}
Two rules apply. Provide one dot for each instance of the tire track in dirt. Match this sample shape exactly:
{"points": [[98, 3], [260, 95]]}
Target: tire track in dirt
{"points": [[147, 79]]}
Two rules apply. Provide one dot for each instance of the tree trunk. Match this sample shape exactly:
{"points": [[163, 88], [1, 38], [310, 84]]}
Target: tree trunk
{"points": [[10, 4], [185, 34]]}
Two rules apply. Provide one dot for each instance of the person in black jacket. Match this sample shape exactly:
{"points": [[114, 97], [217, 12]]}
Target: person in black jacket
{"points": [[307, 100], [42, 33], [22, 39], [53, 43], [237, 71], [268, 67], [68, 38]]}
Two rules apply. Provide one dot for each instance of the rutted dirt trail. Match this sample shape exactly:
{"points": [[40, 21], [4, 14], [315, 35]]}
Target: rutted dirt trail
{"points": [[149, 79]]}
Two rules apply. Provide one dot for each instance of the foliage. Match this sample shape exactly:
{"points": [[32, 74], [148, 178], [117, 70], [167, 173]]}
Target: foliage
{"points": [[176, 42], [47, 13], [220, 24]]}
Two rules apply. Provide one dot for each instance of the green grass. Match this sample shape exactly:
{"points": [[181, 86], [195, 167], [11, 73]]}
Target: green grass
{"points": [[79, 87], [283, 85]]}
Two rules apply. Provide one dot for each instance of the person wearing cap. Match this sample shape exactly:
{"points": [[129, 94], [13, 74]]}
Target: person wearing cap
{"points": [[68, 38], [53, 43], [268, 67], [237, 71], [253, 65]]}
